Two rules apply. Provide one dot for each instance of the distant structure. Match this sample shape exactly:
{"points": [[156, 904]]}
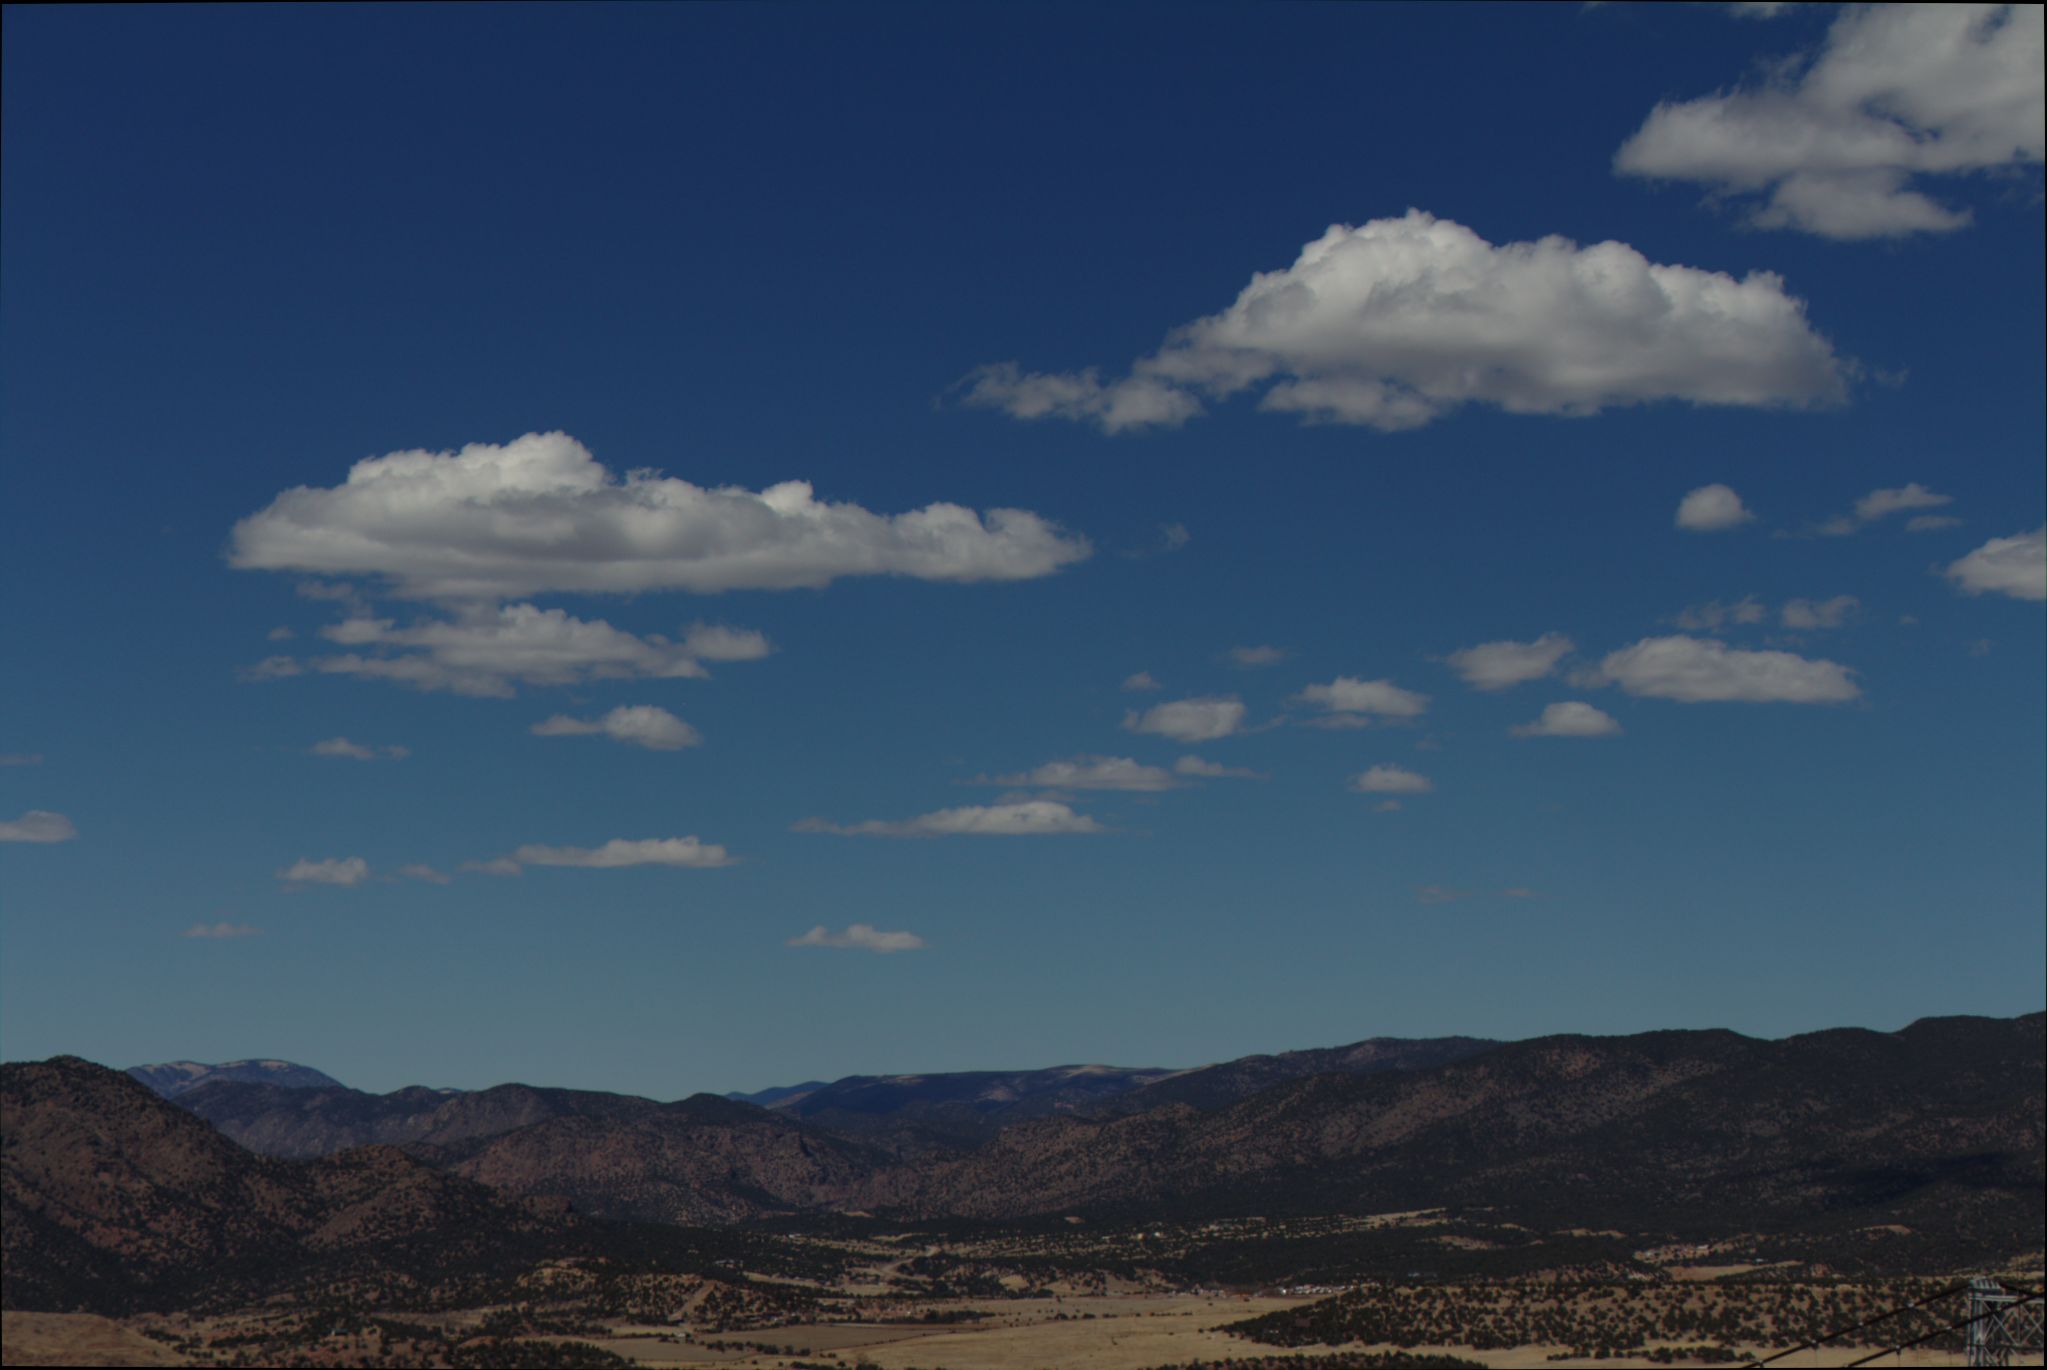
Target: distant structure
{"points": [[2001, 1323]]}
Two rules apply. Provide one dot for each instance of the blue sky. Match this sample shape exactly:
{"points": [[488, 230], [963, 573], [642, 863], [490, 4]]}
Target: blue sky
{"points": [[422, 664]]}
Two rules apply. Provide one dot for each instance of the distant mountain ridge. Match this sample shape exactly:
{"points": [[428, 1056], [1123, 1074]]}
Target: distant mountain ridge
{"points": [[172, 1078], [1935, 1130]]}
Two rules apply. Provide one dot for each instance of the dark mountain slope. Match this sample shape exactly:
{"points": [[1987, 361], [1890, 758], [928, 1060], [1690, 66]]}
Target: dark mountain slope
{"points": [[1218, 1086], [703, 1160], [115, 1198]]}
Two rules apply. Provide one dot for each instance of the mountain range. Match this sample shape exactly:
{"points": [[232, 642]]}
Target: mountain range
{"points": [[1706, 1128], [1930, 1138]]}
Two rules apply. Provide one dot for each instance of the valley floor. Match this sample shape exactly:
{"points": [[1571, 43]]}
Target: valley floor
{"points": [[1115, 1332]]}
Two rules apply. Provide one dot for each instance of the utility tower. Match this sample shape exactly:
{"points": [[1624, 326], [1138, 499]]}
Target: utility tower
{"points": [[2000, 1322]]}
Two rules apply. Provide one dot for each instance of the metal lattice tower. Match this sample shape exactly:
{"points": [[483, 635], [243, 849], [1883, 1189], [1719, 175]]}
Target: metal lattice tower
{"points": [[2001, 1323]]}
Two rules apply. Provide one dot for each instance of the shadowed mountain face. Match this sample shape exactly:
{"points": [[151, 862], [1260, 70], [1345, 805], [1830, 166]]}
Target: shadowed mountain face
{"points": [[114, 1197], [1938, 1124], [173, 1078]]}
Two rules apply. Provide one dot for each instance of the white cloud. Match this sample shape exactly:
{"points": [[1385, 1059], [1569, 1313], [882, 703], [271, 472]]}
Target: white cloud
{"points": [[541, 514], [345, 870], [1399, 321], [1141, 681], [38, 825], [1349, 695], [1569, 718], [1249, 657], [643, 725], [1832, 145], [1807, 614], [1930, 523], [1022, 818], [619, 852], [1386, 778], [2015, 566], [1092, 773], [1203, 719], [221, 929], [421, 871], [1497, 665], [1700, 670], [342, 747], [1211, 770], [1712, 616], [859, 936], [1712, 509]]}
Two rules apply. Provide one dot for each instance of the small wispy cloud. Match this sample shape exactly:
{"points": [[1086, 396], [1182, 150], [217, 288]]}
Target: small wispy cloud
{"points": [[1712, 509], [221, 930], [1881, 504], [1250, 658], [1387, 778], [1141, 681], [21, 758], [1210, 770], [859, 937], [1569, 718], [641, 725], [342, 747], [1202, 719], [39, 825], [423, 872], [1809, 614], [1498, 665], [340, 870], [1362, 699], [620, 852], [2015, 566], [1023, 818], [1089, 773]]}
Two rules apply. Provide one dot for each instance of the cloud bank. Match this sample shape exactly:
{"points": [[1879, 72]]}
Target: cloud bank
{"points": [[540, 514], [1396, 322]]}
